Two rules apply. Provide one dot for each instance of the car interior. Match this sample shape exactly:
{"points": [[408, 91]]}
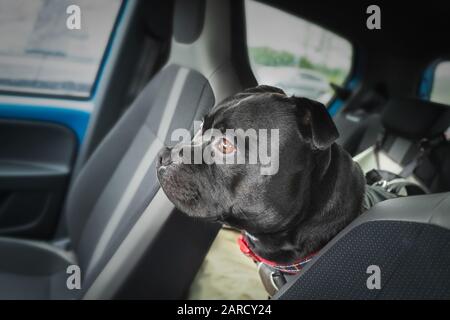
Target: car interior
{"points": [[78, 184]]}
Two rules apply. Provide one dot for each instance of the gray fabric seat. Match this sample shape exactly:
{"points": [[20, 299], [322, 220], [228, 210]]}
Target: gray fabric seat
{"points": [[111, 191], [120, 224], [400, 141], [32, 270], [407, 238]]}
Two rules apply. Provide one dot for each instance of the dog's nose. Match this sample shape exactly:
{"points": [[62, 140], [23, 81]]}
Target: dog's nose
{"points": [[165, 157]]}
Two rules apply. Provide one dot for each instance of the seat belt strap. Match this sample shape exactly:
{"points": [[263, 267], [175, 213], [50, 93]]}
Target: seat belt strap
{"points": [[378, 146], [411, 166], [426, 146]]}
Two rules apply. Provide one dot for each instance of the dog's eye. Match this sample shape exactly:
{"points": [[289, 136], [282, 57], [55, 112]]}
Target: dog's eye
{"points": [[225, 146]]}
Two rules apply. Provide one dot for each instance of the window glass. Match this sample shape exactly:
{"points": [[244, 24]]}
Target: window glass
{"points": [[440, 91], [295, 55], [40, 54]]}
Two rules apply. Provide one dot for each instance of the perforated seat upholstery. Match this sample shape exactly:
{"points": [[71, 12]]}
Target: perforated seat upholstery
{"points": [[408, 239]]}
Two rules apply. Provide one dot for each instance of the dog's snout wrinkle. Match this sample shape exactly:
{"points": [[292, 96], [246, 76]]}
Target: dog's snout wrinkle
{"points": [[164, 157]]}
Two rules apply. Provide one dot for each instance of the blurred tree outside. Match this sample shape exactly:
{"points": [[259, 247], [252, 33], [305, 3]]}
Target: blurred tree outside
{"points": [[266, 56], [270, 57]]}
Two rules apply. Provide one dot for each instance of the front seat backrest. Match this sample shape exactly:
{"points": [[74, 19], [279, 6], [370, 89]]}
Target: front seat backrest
{"points": [[405, 241], [120, 178], [118, 184]]}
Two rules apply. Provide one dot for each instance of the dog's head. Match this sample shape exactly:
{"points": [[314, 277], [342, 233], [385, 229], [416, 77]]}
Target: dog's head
{"points": [[283, 133]]}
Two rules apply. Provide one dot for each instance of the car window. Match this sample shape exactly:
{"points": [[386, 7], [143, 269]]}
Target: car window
{"points": [[40, 54], [440, 91], [293, 54]]}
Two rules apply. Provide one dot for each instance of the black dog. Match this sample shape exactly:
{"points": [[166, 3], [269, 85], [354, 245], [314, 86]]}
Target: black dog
{"points": [[317, 191]]}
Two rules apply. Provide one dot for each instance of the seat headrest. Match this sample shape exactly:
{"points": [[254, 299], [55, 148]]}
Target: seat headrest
{"points": [[189, 18], [411, 118]]}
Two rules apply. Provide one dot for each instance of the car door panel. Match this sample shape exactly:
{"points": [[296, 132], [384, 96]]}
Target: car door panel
{"points": [[50, 88], [36, 160]]}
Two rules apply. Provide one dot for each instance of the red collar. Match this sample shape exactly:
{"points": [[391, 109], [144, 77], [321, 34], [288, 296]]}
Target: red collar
{"points": [[296, 267]]}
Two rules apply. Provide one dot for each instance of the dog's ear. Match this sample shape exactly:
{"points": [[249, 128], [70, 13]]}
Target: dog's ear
{"points": [[264, 89], [315, 123]]}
